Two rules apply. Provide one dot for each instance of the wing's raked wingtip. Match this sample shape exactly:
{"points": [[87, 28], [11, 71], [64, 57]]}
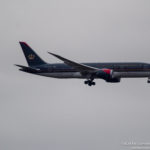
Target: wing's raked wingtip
{"points": [[53, 54]]}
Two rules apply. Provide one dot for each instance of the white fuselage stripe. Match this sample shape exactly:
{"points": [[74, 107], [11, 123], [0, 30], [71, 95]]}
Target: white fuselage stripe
{"points": [[63, 75]]}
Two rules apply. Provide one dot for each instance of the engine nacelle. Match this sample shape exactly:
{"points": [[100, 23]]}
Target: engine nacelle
{"points": [[107, 75], [104, 74], [113, 80]]}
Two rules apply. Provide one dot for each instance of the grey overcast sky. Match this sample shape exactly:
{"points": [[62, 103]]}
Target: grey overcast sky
{"points": [[39, 113]]}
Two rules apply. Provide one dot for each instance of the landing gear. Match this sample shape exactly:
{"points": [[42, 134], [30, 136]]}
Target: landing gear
{"points": [[89, 82], [148, 81]]}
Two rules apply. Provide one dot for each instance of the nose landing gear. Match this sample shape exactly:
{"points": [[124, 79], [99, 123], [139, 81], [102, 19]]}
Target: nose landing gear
{"points": [[89, 82]]}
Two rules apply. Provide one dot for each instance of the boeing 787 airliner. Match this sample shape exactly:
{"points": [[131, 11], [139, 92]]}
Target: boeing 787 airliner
{"points": [[110, 72]]}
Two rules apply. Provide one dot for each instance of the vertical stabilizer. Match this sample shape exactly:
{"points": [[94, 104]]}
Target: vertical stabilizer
{"points": [[32, 58]]}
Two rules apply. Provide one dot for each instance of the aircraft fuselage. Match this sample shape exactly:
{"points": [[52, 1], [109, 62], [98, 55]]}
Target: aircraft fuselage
{"points": [[125, 70]]}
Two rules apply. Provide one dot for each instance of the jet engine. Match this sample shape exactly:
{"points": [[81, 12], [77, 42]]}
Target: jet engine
{"points": [[104, 74], [113, 80], [107, 75]]}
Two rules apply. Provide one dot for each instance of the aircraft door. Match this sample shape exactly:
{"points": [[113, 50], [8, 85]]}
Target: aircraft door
{"points": [[50, 69]]}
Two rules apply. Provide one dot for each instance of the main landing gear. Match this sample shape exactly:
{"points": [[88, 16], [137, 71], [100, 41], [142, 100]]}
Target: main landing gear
{"points": [[89, 82], [148, 81]]}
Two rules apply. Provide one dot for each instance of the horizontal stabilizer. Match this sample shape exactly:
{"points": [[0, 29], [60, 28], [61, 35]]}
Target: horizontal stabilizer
{"points": [[24, 68]]}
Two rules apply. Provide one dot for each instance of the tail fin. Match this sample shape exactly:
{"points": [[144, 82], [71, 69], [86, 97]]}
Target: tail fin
{"points": [[32, 58]]}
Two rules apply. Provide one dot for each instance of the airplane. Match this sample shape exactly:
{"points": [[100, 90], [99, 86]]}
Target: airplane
{"points": [[110, 72]]}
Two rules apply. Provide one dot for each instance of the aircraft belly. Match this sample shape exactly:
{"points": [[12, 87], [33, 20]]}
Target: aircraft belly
{"points": [[63, 75], [79, 75], [131, 74]]}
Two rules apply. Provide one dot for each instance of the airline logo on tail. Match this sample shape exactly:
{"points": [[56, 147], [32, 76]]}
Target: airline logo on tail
{"points": [[31, 56]]}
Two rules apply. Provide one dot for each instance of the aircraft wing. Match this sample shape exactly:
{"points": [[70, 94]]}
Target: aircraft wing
{"points": [[79, 67]]}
